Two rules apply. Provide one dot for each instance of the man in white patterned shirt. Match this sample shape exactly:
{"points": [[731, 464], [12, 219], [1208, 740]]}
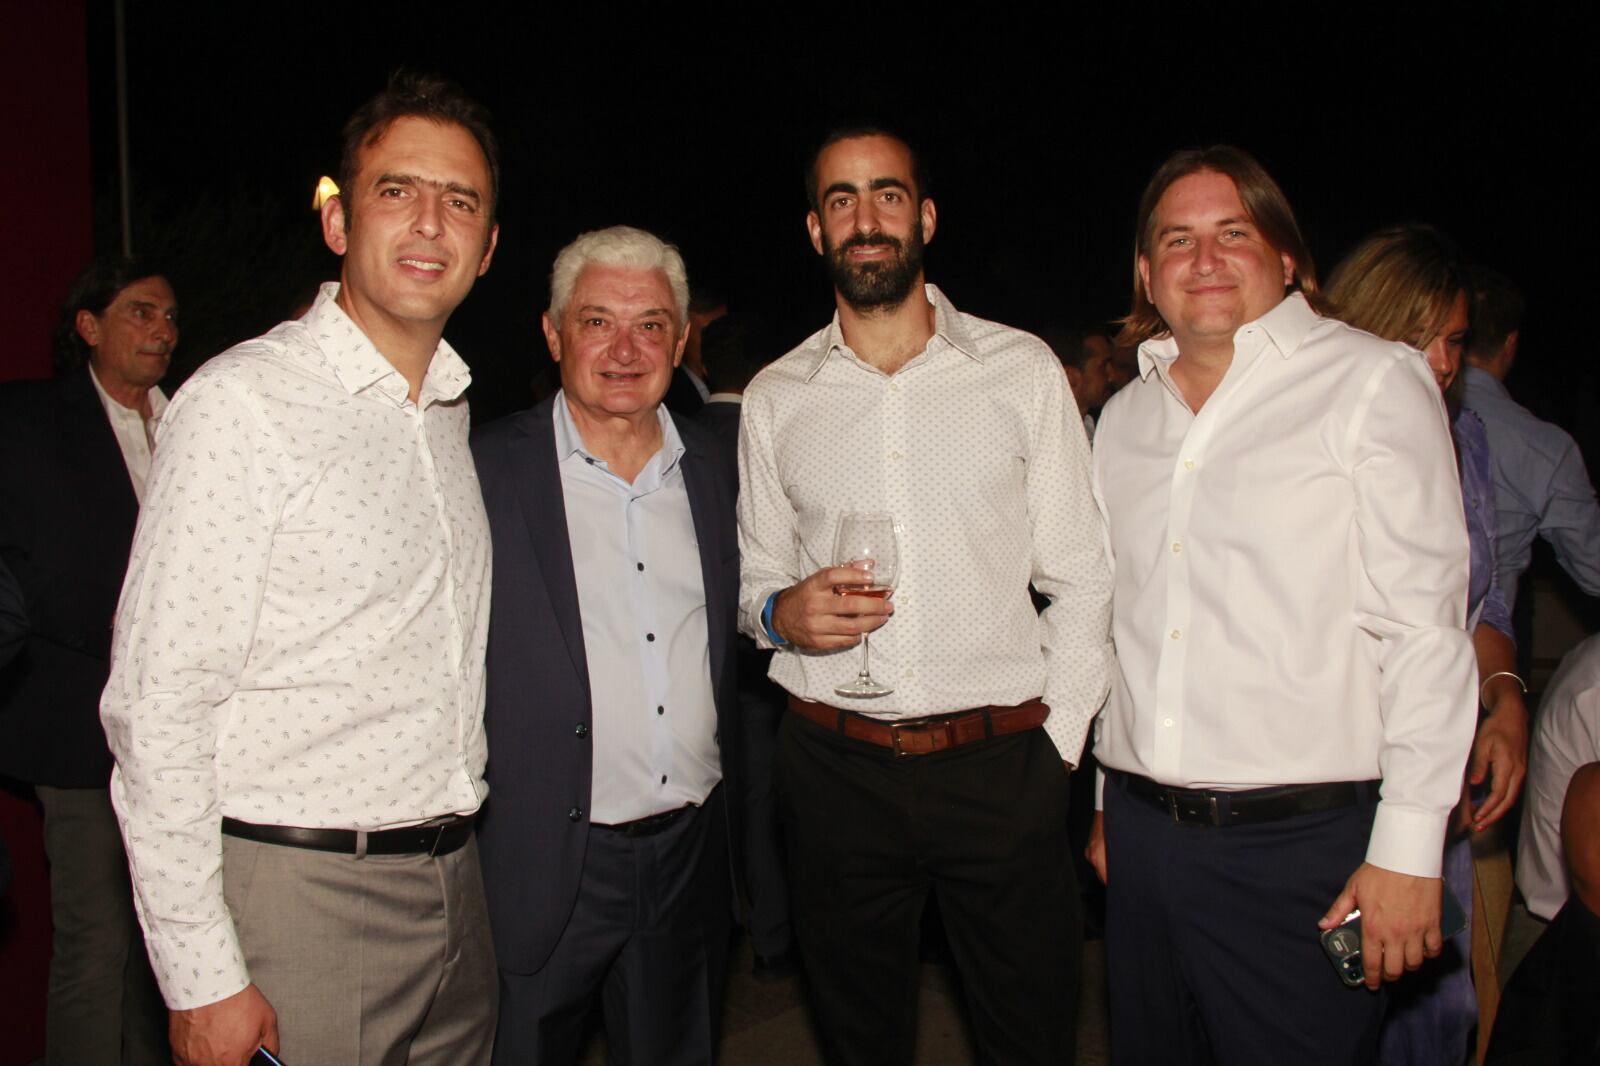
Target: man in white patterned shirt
{"points": [[963, 431], [296, 696], [1285, 527]]}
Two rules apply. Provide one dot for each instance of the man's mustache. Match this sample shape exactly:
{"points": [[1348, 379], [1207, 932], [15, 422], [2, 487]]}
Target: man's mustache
{"points": [[868, 240]]}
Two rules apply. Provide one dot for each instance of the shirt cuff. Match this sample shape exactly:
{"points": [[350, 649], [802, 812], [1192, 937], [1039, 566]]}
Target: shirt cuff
{"points": [[1408, 841], [766, 622], [203, 966]]}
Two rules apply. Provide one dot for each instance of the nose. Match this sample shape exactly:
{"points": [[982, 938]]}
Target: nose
{"points": [[1205, 257], [622, 347], [165, 331], [866, 216], [430, 217]]}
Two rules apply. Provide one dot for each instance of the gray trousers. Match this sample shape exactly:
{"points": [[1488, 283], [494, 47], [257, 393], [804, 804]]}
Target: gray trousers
{"points": [[103, 1005], [377, 961]]}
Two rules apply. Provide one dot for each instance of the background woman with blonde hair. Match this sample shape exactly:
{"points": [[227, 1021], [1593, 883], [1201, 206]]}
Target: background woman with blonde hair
{"points": [[1409, 284]]}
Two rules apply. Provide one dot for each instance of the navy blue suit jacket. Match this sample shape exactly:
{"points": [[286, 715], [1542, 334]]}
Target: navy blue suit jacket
{"points": [[533, 834], [67, 512]]}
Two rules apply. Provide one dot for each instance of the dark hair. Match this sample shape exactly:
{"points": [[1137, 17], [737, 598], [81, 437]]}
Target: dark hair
{"points": [[919, 176], [93, 290], [1263, 201], [1070, 344], [733, 348], [412, 94], [1497, 310]]}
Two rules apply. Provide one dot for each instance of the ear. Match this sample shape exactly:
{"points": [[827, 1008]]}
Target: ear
{"points": [[683, 341], [930, 220], [88, 327], [1288, 269], [488, 250], [1144, 277], [814, 227], [1509, 348], [552, 336], [333, 225]]}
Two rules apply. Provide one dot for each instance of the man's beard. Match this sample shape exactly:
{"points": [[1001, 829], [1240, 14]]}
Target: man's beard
{"points": [[879, 284]]}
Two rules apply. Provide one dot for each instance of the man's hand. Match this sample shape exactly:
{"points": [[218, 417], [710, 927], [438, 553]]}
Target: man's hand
{"points": [[809, 615], [1095, 850], [1399, 920], [225, 1033], [1500, 755]]}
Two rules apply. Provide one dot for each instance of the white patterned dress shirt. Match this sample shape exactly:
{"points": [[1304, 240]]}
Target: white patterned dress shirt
{"points": [[971, 448], [1291, 577], [301, 634]]}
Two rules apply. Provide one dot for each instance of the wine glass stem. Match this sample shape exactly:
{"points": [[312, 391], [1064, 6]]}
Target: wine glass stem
{"points": [[866, 643]]}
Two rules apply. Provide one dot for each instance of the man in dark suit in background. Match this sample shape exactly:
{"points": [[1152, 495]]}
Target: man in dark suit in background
{"points": [[74, 455], [612, 710], [733, 348]]}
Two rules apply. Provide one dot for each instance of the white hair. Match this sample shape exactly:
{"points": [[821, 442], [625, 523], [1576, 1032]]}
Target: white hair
{"points": [[623, 246]]}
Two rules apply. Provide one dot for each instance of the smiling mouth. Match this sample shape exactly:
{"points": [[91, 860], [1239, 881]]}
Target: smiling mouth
{"points": [[422, 264]]}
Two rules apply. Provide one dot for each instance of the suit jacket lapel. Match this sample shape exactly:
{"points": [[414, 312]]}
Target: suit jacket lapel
{"points": [[544, 510], [699, 480]]}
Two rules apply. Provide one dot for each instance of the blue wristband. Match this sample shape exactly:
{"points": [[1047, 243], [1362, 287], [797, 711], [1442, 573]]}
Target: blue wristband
{"points": [[766, 621]]}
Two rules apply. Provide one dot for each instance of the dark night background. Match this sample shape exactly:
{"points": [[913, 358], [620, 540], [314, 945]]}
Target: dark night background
{"points": [[1040, 126]]}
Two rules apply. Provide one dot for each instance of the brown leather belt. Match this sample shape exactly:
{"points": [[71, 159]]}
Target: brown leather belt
{"points": [[924, 736], [437, 838]]}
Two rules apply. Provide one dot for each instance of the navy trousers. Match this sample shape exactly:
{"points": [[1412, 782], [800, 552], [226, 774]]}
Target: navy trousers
{"points": [[1212, 946]]}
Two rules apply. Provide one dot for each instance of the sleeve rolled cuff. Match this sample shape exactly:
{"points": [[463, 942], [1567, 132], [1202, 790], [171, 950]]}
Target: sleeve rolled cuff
{"points": [[1408, 841]]}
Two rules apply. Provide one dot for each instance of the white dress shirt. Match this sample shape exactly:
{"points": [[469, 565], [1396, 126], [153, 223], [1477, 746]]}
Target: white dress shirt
{"points": [[301, 634], [1566, 736], [133, 433], [642, 597], [1291, 577], [969, 447]]}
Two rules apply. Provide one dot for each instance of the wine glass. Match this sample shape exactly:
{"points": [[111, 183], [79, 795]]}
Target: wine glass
{"points": [[867, 542]]}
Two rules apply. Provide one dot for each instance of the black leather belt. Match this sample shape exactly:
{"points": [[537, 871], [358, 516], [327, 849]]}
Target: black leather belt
{"points": [[1251, 807], [649, 825], [437, 838]]}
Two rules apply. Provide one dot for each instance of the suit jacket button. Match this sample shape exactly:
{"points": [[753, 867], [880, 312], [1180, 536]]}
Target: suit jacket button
{"points": [[575, 814], [581, 731]]}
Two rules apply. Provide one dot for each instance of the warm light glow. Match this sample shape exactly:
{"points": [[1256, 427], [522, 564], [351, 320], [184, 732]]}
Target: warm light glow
{"points": [[325, 189]]}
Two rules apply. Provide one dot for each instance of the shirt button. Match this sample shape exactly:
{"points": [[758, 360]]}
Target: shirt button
{"points": [[1188, 464], [650, 637], [575, 814], [663, 779], [1175, 634], [580, 730], [1176, 547], [1166, 721], [895, 456], [641, 567], [661, 710]]}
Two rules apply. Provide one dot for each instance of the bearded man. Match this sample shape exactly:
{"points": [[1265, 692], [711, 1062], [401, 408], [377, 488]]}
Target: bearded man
{"points": [[955, 782]]}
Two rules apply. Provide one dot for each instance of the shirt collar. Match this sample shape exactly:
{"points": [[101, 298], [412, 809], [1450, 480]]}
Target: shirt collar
{"points": [[1481, 378], [158, 400], [1286, 325], [358, 364], [948, 330], [569, 441]]}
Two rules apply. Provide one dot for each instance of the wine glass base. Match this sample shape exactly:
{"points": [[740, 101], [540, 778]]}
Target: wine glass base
{"points": [[863, 689]]}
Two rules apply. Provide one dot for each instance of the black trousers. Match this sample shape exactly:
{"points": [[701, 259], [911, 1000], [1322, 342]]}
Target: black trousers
{"points": [[985, 828], [648, 938], [1212, 948], [762, 710]]}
